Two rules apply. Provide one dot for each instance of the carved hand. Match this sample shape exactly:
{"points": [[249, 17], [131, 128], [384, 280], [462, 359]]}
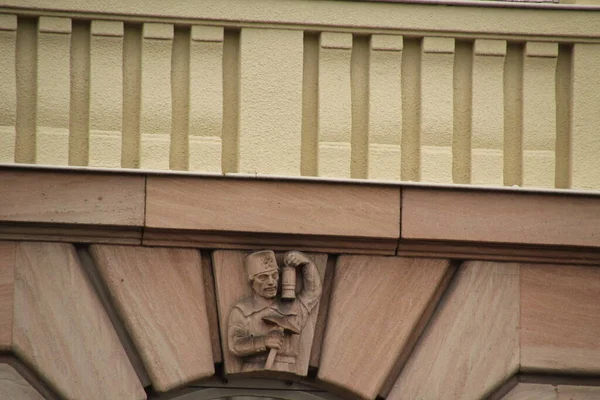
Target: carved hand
{"points": [[295, 259], [274, 338]]}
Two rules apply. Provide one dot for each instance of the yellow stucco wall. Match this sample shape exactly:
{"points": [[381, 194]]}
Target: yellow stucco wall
{"points": [[453, 94]]}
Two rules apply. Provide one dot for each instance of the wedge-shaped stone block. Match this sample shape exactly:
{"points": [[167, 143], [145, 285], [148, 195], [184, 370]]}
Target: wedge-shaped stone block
{"points": [[315, 353], [232, 286], [159, 294], [560, 319], [58, 326], [376, 304], [471, 345], [8, 256], [14, 386], [531, 391], [572, 392]]}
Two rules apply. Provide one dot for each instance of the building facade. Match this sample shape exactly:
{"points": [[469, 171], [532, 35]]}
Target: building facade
{"points": [[436, 162]]}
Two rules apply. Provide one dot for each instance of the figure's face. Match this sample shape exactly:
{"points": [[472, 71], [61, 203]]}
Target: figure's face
{"points": [[265, 284]]}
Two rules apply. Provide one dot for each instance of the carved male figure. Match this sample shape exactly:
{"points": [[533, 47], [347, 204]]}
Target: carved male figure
{"points": [[249, 335]]}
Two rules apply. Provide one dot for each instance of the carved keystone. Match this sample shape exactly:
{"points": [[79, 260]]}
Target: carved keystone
{"points": [[268, 309]]}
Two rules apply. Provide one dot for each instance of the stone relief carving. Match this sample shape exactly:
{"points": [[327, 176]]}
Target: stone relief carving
{"points": [[264, 329]]}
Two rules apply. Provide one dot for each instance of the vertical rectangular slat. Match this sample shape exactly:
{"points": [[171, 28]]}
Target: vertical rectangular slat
{"points": [[437, 109], [206, 99], [359, 91], [270, 101], [310, 105], [231, 101], [385, 107], [132, 95], [26, 69], [411, 110], [180, 95], [539, 114], [585, 123], [155, 123], [79, 124], [513, 114], [564, 112], [106, 93], [462, 101], [8, 87], [54, 90], [335, 114], [488, 112]]}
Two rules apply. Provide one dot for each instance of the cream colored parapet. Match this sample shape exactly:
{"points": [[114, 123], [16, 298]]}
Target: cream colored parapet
{"points": [[478, 93]]}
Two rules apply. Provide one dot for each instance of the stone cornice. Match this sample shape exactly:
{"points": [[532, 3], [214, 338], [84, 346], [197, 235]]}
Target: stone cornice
{"points": [[247, 213]]}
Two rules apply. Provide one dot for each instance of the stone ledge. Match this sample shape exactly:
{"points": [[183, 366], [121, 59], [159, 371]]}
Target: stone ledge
{"points": [[247, 213]]}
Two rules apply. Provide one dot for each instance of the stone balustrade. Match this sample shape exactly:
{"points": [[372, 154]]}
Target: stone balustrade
{"points": [[486, 95]]}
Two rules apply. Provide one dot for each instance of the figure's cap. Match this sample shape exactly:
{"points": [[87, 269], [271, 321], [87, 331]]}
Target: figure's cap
{"points": [[259, 262]]}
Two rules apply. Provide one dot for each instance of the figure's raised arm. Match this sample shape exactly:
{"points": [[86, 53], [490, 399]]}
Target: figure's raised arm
{"points": [[312, 287]]}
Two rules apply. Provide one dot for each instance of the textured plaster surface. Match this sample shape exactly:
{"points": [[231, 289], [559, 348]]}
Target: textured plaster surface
{"points": [[376, 105]]}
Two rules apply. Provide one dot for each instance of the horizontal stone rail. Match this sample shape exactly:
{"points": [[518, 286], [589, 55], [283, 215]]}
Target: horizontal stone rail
{"points": [[251, 213]]}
